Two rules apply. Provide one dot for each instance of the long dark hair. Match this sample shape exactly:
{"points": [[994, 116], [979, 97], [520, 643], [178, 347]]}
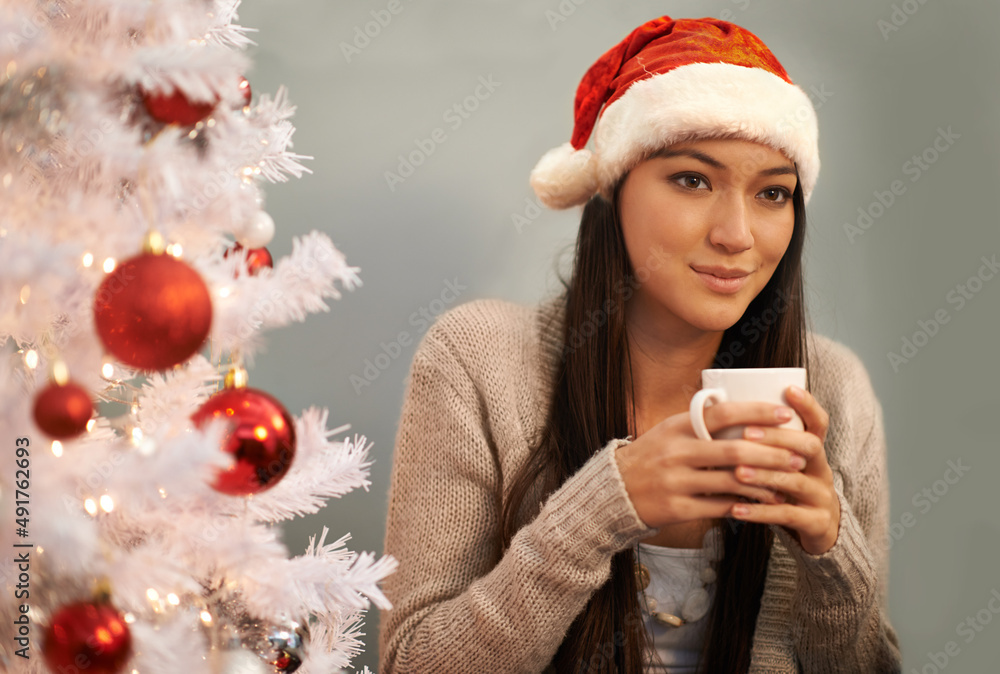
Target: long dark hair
{"points": [[590, 405]]}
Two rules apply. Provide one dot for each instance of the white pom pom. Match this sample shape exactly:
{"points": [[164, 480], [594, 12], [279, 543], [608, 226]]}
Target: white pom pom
{"points": [[565, 177]]}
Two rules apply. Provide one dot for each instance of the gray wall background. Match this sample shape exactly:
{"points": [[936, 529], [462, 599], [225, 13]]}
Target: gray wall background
{"points": [[887, 93]]}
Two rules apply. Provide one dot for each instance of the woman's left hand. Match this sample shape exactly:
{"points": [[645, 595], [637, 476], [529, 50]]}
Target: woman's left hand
{"points": [[812, 510]]}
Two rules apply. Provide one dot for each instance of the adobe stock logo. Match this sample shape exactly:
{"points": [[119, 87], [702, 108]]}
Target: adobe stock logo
{"points": [[454, 117], [960, 295]]}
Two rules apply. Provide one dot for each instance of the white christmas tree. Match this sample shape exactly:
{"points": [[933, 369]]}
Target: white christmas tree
{"points": [[143, 482]]}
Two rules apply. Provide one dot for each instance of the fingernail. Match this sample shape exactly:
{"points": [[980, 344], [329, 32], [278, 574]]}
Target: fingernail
{"points": [[780, 498], [741, 510], [797, 463], [746, 472], [795, 392], [752, 433], [783, 414]]}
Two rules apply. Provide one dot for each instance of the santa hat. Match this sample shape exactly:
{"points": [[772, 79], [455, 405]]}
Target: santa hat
{"points": [[671, 81]]}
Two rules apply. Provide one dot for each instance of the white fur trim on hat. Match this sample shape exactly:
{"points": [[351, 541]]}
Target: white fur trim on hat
{"points": [[707, 100], [565, 177]]}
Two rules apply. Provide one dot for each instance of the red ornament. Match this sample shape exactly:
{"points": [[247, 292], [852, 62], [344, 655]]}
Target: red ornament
{"points": [[175, 108], [245, 90], [153, 312], [261, 440], [87, 636], [256, 258], [63, 411]]}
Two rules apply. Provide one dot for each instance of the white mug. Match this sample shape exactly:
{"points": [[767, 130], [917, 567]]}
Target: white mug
{"points": [[765, 384]]}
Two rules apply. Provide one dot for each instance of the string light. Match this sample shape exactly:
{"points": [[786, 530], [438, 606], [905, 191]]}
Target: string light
{"points": [[109, 265], [60, 373], [57, 448], [107, 504], [90, 506], [107, 370], [25, 294], [31, 359], [88, 260]]}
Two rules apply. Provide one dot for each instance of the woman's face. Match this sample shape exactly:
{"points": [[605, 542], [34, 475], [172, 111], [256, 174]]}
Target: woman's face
{"points": [[697, 212]]}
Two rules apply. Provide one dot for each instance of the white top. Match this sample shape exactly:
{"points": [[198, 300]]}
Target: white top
{"points": [[673, 573]]}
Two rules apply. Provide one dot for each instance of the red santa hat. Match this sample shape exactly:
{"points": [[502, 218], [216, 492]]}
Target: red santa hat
{"points": [[671, 81]]}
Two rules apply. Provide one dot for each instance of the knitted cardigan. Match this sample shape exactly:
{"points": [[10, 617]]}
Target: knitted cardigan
{"points": [[476, 399]]}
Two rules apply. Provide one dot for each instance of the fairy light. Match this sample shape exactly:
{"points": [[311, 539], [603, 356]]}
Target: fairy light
{"points": [[107, 370], [137, 434], [129, 618], [163, 492], [60, 373], [173, 599], [107, 503], [88, 260], [175, 250], [248, 171], [91, 424], [8, 179], [24, 294], [31, 359], [57, 448], [206, 617], [109, 265], [152, 594], [224, 292], [90, 506]]}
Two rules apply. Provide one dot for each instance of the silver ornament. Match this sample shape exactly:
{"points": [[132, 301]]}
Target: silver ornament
{"points": [[281, 646]]}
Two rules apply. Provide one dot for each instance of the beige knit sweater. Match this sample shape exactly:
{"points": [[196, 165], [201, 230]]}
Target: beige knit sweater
{"points": [[477, 396]]}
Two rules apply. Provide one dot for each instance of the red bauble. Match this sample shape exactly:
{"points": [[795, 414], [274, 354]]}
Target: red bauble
{"points": [[175, 108], [256, 258], [261, 440], [245, 90], [87, 636], [153, 312], [63, 411]]}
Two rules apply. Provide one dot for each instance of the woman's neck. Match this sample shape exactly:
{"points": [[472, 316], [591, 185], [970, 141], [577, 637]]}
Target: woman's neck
{"points": [[666, 367]]}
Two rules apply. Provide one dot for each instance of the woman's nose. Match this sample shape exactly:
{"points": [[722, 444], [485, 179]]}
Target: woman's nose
{"points": [[730, 224]]}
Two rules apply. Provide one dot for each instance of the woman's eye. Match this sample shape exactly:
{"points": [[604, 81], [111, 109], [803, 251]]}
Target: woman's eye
{"points": [[691, 181], [776, 194]]}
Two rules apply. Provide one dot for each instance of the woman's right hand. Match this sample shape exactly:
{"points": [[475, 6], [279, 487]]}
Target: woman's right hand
{"points": [[673, 476]]}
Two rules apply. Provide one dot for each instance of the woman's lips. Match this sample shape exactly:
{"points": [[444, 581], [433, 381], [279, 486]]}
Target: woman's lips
{"points": [[726, 286]]}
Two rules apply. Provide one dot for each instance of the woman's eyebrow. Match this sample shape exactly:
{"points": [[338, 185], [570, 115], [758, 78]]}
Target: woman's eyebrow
{"points": [[666, 153]]}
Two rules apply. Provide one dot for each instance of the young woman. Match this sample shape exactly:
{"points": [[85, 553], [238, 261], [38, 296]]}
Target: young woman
{"points": [[551, 507]]}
